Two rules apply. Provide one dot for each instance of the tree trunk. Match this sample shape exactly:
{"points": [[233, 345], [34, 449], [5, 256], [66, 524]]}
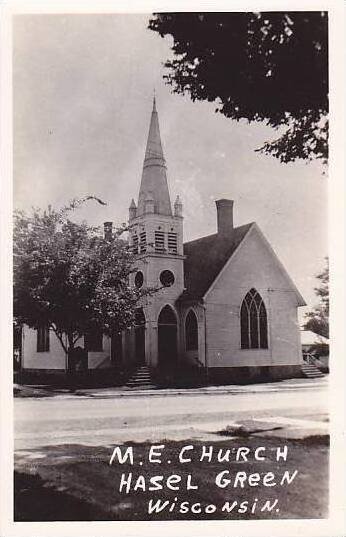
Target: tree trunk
{"points": [[71, 369]]}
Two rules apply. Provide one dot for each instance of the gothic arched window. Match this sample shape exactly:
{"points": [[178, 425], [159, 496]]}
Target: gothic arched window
{"points": [[167, 317], [253, 322], [191, 332]]}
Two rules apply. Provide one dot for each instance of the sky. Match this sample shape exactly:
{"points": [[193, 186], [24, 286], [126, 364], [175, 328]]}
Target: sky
{"points": [[83, 88]]}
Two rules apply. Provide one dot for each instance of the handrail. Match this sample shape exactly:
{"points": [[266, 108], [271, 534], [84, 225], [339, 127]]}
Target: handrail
{"points": [[309, 358], [201, 364]]}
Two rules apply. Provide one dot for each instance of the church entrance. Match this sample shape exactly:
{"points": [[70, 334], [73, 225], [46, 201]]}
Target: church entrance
{"points": [[117, 349], [140, 337], [167, 338]]}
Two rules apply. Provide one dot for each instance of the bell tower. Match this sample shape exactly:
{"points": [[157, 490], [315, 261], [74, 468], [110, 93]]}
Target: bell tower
{"points": [[156, 237]]}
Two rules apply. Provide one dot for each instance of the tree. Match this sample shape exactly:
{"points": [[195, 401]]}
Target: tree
{"points": [[69, 277], [270, 67], [318, 318]]}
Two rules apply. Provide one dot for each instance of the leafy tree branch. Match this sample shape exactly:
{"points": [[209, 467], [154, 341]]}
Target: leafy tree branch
{"points": [[269, 66], [68, 276], [318, 318]]}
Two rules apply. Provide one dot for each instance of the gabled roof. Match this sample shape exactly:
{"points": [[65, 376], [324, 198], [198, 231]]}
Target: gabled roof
{"points": [[205, 258], [307, 337]]}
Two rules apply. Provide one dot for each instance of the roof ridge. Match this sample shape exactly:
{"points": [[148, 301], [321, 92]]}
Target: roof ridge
{"points": [[216, 234], [205, 257], [201, 238]]}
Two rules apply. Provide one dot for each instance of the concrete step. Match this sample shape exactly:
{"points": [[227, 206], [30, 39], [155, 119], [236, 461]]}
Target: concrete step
{"points": [[141, 378], [138, 381], [144, 386], [141, 386], [309, 368], [311, 371], [136, 384]]}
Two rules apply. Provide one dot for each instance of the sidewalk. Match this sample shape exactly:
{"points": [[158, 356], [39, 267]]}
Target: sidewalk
{"points": [[116, 392]]}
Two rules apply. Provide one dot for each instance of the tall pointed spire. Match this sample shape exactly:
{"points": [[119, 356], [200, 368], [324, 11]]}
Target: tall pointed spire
{"points": [[154, 180]]}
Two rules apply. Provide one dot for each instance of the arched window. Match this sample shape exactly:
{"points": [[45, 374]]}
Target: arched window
{"points": [[253, 322], [139, 317], [167, 338], [191, 332], [167, 317]]}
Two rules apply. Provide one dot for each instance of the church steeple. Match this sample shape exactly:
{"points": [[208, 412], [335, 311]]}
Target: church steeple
{"points": [[154, 180]]}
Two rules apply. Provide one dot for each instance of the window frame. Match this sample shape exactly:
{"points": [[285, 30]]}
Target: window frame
{"points": [[139, 279], [43, 338], [253, 322], [163, 277], [191, 340]]}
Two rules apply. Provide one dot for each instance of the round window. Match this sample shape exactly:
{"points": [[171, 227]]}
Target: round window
{"points": [[167, 278], [139, 279]]}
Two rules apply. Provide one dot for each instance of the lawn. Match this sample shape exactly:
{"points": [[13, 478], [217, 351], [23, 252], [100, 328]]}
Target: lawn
{"points": [[76, 482]]}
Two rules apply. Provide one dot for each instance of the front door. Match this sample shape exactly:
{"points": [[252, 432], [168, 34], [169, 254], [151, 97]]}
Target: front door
{"points": [[140, 344], [140, 337], [117, 349], [17, 347], [167, 338]]}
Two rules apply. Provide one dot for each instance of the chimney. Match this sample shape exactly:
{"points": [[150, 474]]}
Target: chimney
{"points": [[108, 230], [224, 217]]}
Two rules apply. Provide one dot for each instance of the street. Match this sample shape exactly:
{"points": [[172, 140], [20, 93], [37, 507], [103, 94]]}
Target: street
{"points": [[297, 405], [64, 443]]}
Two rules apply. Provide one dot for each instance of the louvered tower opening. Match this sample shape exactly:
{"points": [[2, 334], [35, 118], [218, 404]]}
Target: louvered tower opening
{"points": [[172, 242], [159, 241], [142, 242], [135, 244]]}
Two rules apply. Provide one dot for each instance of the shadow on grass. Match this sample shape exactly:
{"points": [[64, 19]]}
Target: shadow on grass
{"points": [[76, 482], [35, 501], [243, 432]]}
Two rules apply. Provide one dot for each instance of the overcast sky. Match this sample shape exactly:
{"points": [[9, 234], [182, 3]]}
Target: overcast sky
{"points": [[83, 87]]}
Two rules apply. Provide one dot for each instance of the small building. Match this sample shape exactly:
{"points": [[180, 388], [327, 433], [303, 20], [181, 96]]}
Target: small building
{"points": [[226, 310], [310, 340], [315, 349]]}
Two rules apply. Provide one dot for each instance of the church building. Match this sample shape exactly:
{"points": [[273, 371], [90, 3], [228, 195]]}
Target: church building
{"points": [[226, 310]]}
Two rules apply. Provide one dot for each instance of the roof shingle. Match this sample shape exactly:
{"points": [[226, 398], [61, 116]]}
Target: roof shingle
{"points": [[205, 258]]}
